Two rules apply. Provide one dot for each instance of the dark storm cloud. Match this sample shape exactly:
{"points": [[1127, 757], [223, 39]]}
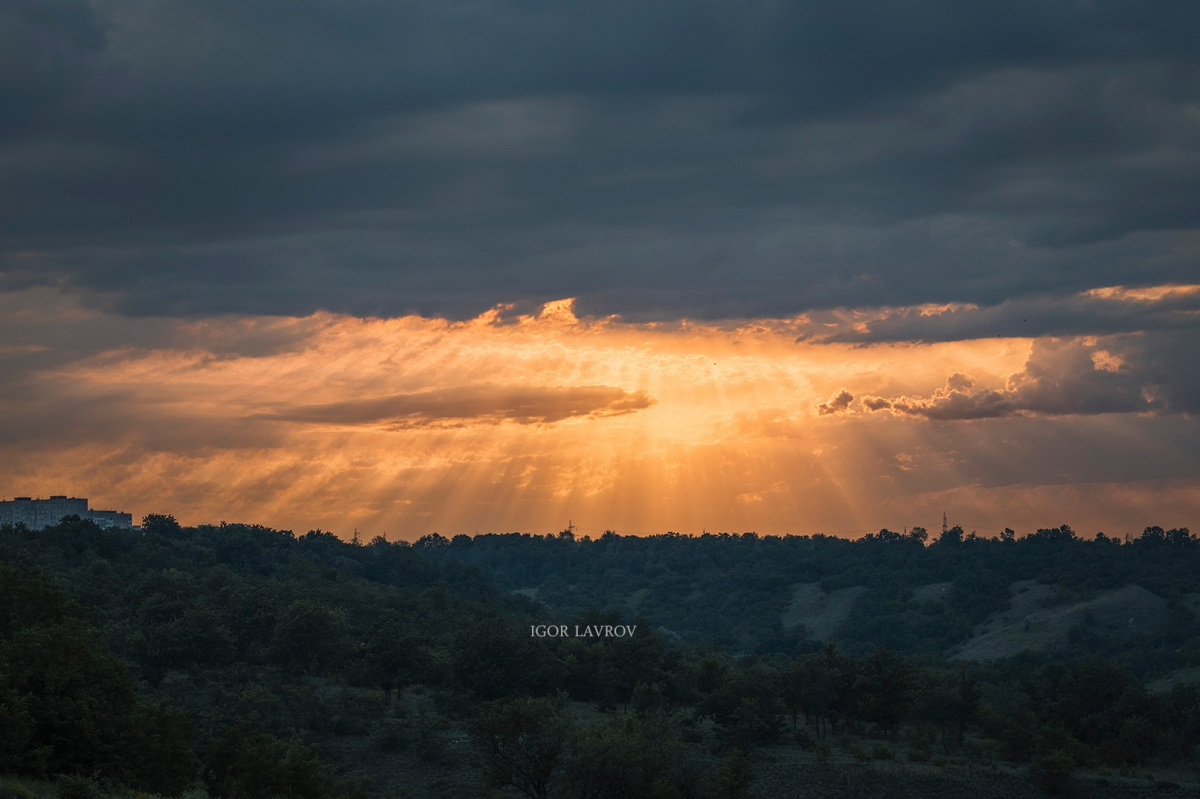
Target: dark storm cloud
{"points": [[1154, 373], [653, 159], [487, 404], [47, 49]]}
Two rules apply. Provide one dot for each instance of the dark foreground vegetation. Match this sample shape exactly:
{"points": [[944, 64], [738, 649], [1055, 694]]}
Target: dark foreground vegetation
{"points": [[239, 661]]}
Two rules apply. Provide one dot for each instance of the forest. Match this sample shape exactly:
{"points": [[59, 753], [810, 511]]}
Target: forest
{"points": [[238, 661]]}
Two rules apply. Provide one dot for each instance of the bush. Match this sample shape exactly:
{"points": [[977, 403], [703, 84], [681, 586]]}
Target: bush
{"points": [[1053, 772], [243, 764], [9, 790], [430, 745], [918, 756], [392, 737], [731, 779], [691, 732], [195, 792], [71, 786]]}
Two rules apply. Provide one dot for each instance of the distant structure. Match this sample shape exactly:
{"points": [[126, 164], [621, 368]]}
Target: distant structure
{"points": [[39, 513], [945, 529]]}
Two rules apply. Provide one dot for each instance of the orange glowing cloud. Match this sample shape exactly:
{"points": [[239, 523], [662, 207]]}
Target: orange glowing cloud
{"points": [[523, 421], [479, 404], [1143, 293]]}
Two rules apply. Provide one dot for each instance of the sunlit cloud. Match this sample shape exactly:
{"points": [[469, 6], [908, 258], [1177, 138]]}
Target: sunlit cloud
{"points": [[837, 403], [1142, 293], [1064, 378], [1102, 311], [525, 418], [471, 404]]}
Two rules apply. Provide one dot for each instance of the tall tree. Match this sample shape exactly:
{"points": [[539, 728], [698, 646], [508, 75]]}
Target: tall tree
{"points": [[521, 743]]}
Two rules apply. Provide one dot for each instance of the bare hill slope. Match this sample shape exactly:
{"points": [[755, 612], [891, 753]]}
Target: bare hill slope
{"points": [[1033, 623], [821, 613]]}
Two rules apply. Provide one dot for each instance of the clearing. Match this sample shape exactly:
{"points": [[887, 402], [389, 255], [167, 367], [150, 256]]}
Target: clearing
{"points": [[1030, 624], [820, 613]]}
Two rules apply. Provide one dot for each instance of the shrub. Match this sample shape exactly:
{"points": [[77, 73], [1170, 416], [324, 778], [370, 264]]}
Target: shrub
{"points": [[11, 791], [732, 778], [430, 746], [195, 792], [392, 737], [71, 786], [244, 764], [1053, 772]]}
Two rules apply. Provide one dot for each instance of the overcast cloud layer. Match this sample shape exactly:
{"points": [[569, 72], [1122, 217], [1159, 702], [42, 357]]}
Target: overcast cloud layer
{"points": [[655, 160], [834, 266]]}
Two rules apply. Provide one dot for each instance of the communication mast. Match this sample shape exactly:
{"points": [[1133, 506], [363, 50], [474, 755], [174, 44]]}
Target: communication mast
{"points": [[944, 528]]}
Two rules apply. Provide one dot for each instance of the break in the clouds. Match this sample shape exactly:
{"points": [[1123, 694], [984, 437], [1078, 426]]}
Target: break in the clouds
{"points": [[657, 160]]}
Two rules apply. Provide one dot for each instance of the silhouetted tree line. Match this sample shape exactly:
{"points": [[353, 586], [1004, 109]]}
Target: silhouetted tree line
{"points": [[731, 589], [202, 656]]}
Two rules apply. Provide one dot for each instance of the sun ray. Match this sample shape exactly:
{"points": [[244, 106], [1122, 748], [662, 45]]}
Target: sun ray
{"points": [[523, 422]]}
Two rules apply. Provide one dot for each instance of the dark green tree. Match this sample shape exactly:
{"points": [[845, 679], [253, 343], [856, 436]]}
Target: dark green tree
{"points": [[885, 685], [521, 743], [309, 637], [244, 764], [747, 708]]}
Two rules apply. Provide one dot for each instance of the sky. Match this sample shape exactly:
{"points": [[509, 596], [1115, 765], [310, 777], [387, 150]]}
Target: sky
{"points": [[484, 266]]}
